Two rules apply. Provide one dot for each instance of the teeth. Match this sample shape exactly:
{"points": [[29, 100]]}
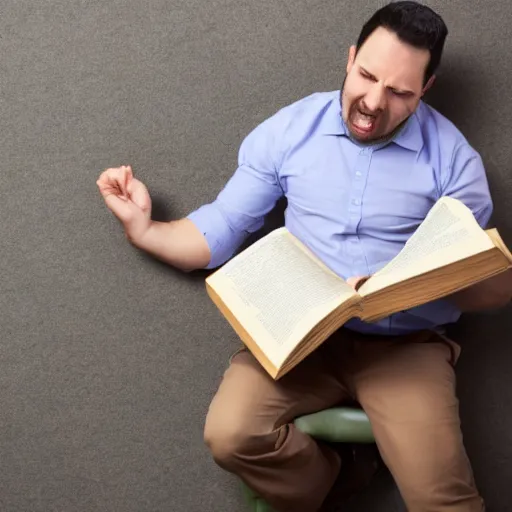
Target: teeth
{"points": [[364, 120]]}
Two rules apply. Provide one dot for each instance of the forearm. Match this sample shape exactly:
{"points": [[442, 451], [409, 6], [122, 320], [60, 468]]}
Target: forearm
{"points": [[493, 293], [178, 243]]}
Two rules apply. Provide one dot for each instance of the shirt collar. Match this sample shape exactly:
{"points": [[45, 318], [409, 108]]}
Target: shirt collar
{"points": [[332, 122], [409, 137]]}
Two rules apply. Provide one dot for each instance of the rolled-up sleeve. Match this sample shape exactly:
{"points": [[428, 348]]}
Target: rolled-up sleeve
{"points": [[466, 181], [249, 195]]}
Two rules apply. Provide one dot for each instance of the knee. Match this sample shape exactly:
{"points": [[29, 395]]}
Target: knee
{"points": [[222, 442], [227, 442]]}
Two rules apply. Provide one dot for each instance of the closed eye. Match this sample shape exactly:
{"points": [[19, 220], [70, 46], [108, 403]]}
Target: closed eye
{"points": [[401, 94], [396, 92], [368, 76]]}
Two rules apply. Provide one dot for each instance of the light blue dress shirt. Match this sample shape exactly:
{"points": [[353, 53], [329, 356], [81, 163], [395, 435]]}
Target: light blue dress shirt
{"points": [[354, 206]]}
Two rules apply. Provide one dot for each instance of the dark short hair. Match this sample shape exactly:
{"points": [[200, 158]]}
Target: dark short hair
{"points": [[413, 23]]}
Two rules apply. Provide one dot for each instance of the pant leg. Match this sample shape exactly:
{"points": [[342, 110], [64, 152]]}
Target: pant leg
{"points": [[250, 433], [407, 388]]}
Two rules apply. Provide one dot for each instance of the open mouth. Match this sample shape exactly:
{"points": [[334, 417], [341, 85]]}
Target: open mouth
{"points": [[363, 122]]}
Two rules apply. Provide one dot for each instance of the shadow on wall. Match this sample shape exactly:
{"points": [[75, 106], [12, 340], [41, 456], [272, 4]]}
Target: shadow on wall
{"points": [[453, 95]]}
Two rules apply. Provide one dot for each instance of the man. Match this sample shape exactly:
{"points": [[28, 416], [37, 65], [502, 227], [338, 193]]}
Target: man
{"points": [[360, 170]]}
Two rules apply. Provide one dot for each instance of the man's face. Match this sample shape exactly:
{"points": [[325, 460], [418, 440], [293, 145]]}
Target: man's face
{"points": [[383, 86]]}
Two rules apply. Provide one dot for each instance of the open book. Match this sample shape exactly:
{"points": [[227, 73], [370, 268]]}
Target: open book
{"points": [[283, 302]]}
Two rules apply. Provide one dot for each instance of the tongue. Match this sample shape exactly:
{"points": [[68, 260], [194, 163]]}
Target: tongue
{"points": [[364, 122]]}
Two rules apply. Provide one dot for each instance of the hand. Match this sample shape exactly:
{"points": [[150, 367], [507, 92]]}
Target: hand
{"points": [[127, 198], [357, 281]]}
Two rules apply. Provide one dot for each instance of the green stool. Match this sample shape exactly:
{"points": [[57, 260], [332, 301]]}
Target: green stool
{"points": [[336, 425]]}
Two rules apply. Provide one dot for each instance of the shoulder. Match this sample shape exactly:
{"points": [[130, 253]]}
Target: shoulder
{"points": [[313, 103], [291, 123], [458, 165], [440, 135], [303, 112]]}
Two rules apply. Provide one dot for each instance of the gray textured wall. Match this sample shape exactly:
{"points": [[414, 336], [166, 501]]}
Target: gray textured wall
{"points": [[108, 358]]}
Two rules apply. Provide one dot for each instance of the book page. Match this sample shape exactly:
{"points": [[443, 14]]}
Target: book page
{"points": [[279, 290], [449, 233]]}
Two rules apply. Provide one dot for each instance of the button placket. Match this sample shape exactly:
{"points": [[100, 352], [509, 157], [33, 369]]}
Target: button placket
{"points": [[360, 174], [358, 183]]}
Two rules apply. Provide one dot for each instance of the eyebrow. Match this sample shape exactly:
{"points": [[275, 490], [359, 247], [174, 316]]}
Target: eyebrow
{"points": [[396, 89]]}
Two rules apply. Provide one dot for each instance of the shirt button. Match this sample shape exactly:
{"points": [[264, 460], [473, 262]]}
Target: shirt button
{"points": [[356, 201], [358, 173]]}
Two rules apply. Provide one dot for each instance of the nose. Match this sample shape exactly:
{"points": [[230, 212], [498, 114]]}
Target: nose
{"points": [[375, 99]]}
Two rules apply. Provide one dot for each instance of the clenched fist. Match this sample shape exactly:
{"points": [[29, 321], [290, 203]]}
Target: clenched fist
{"points": [[127, 198]]}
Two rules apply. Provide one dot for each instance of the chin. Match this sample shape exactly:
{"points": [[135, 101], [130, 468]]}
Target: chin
{"points": [[377, 136], [369, 137]]}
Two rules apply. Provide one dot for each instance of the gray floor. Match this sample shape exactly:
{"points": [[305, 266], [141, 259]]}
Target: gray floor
{"points": [[109, 359]]}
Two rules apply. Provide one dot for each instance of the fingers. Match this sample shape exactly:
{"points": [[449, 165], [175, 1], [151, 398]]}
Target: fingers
{"points": [[128, 176], [139, 194], [118, 206], [357, 281], [115, 181], [126, 197]]}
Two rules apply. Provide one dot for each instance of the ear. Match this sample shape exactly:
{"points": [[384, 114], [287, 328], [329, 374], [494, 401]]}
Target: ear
{"points": [[351, 58], [429, 84]]}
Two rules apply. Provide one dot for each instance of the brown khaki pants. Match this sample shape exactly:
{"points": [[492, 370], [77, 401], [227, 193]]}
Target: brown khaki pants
{"points": [[406, 385]]}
